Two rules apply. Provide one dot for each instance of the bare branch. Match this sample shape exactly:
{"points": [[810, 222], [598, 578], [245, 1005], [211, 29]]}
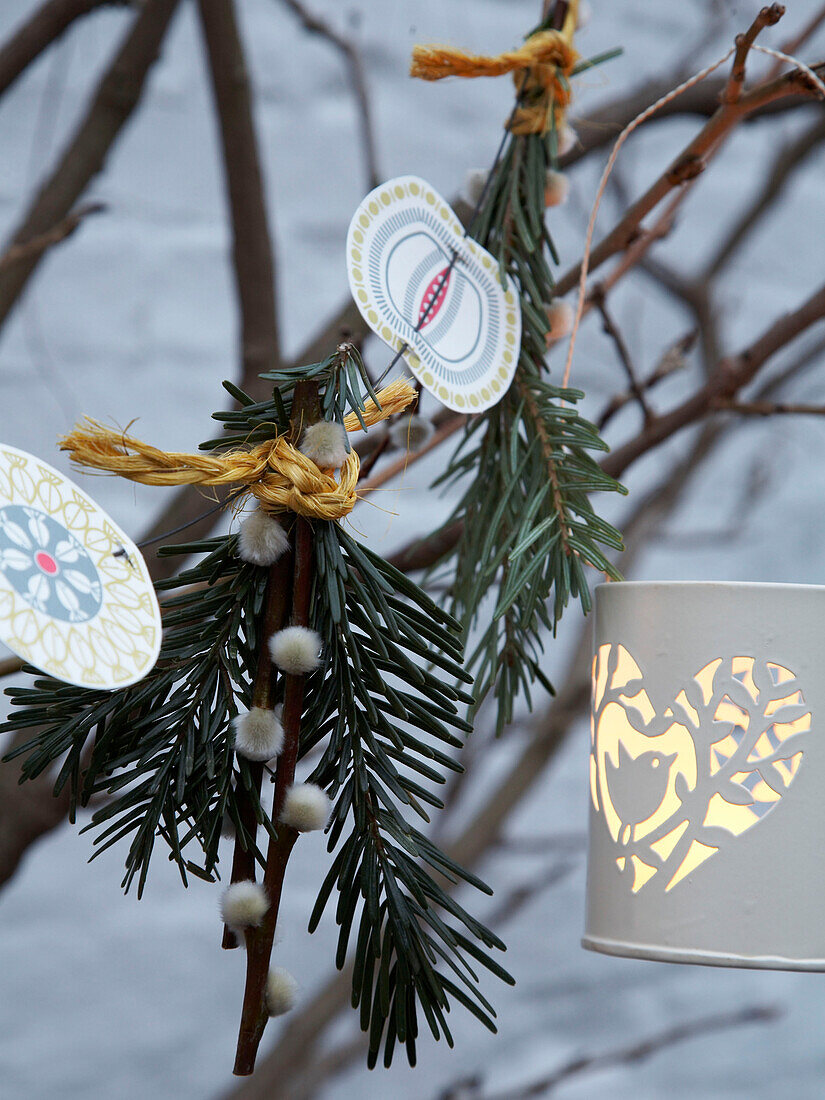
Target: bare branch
{"points": [[614, 332], [690, 163], [769, 408], [640, 1052], [252, 241], [314, 24], [787, 160], [117, 95], [34, 248], [733, 373], [767, 17], [672, 361], [41, 30]]}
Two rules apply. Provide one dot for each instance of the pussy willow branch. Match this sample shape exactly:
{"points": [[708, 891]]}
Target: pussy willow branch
{"points": [[274, 618], [259, 940], [118, 93]]}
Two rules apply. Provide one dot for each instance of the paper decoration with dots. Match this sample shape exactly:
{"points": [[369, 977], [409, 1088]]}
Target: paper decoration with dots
{"points": [[76, 599], [399, 246]]}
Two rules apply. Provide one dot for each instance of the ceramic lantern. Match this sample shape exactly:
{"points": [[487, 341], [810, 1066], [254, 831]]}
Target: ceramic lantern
{"points": [[707, 816]]}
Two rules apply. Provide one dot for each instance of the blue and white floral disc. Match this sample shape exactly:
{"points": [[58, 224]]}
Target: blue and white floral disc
{"points": [[460, 324], [76, 598]]}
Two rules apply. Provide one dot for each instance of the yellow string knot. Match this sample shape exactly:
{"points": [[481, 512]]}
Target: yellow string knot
{"points": [[275, 472], [547, 58]]}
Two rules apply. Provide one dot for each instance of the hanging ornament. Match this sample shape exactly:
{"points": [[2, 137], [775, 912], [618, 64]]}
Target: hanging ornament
{"points": [[434, 294], [76, 599], [706, 812]]}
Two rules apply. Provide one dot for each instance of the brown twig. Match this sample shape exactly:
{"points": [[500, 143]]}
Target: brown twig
{"points": [[42, 29], [252, 239], [117, 95], [274, 617], [34, 248], [733, 373], [768, 408], [672, 361], [767, 17], [259, 940], [690, 163], [641, 1051], [614, 332], [314, 24], [787, 160], [791, 45]]}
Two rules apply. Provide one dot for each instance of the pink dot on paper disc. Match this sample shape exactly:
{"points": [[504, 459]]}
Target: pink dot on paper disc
{"points": [[45, 562]]}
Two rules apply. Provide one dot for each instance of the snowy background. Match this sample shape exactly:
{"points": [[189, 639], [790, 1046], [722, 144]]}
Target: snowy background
{"points": [[102, 996]]}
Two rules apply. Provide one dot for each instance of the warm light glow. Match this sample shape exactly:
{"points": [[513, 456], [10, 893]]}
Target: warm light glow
{"points": [[675, 788]]}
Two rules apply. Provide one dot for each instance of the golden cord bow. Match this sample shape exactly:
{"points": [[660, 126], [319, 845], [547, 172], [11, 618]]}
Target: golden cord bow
{"points": [[275, 472], [541, 69]]}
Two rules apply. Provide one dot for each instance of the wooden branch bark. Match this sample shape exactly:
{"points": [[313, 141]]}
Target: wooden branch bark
{"points": [[251, 237], [117, 95], [42, 29], [687, 165], [34, 248], [355, 68]]}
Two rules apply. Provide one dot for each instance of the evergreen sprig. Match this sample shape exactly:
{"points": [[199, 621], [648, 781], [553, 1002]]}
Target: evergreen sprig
{"points": [[383, 710], [529, 531]]}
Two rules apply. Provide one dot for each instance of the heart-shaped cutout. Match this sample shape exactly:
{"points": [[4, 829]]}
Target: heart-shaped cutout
{"points": [[460, 325], [673, 788]]}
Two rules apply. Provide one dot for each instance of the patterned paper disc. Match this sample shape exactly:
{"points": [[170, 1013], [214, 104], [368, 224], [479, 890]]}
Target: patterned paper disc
{"points": [[76, 599], [399, 247]]}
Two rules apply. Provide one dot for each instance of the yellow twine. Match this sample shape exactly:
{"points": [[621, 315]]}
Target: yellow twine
{"points": [[541, 69], [276, 473]]}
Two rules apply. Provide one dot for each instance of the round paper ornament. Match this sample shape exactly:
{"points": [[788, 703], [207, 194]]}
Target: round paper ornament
{"points": [[419, 281], [76, 599]]}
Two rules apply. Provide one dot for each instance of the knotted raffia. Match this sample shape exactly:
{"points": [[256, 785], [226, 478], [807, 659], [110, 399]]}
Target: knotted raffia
{"points": [[276, 473], [541, 71]]}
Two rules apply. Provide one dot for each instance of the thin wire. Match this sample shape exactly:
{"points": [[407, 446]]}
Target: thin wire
{"points": [[792, 61], [445, 275], [197, 519]]}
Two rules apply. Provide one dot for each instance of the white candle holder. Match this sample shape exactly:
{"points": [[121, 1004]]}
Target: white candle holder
{"points": [[707, 760]]}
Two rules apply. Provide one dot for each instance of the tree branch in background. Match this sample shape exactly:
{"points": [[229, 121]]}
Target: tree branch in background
{"points": [[252, 242], [33, 249], [786, 162], [672, 361], [117, 95], [41, 30], [355, 68], [687, 165], [614, 332], [636, 1052]]}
